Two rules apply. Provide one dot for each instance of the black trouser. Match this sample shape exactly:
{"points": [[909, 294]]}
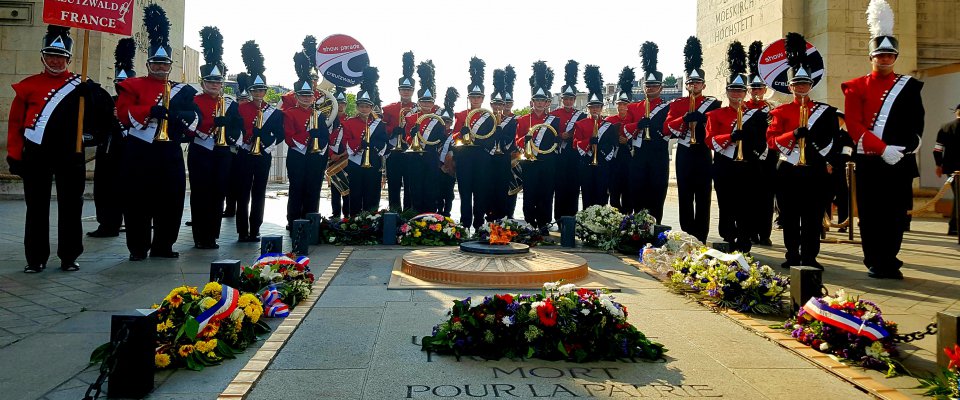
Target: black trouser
{"points": [[620, 180], [693, 189], [838, 193], [364, 187], [737, 199], [254, 171], [209, 176], [422, 175], [882, 212], [445, 201], [538, 184], [567, 190], [396, 166], [473, 172], [801, 194], [649, 175], [952, 224], [38, 177], [155, 185], [594, 180], [234, 184], [306, 174], [499, 186], [107, 185], [766, 187]]}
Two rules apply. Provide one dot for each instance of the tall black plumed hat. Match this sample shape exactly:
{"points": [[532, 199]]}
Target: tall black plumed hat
{"points": [[499, 80], [369, 94], [509, 78], [648, 58], [449, 102], [693, 60], [625, 83], [796, 49], [406, 80], [243, 85], [594, 81], [253, 60], [570, 71], [880, 22], [541, 81], [753, 61], [123, 57], [57, 41], [158, 34], [213, 69], [309, 45], [737, 66], [303, 68], [476, 77], [428, 88]]}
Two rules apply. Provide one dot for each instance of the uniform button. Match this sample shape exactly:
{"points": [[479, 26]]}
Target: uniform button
{"points": [[46, 98]]}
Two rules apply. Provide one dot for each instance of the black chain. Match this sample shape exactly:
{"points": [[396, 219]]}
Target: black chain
{"points": [[909, 337], [109, 363]]}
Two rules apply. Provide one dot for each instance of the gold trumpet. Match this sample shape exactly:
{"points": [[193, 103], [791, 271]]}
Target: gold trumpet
{"points": [[496, 147], [802, 142], [314, 123], [739, 156], [402, 123], [162, 135], [258, 123], [221, 131], [693, 125], [595, 126], [366, 151], [646, 114], [468, 139]]}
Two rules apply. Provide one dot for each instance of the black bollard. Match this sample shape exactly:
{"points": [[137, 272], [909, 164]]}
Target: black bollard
{"points": [[132, 377], [299, 235], [805, 282], [722, 246], [948, 335], [227, 272], [568, 231], [313, 234], [271, 244], [390, 223], [658, 229]]}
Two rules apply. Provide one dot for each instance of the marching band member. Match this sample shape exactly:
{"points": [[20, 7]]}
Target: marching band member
{"points": [[42, 148], [567, 190], [262, 131], [158, 112], [394, 119], [620, 167], [539, 172], [208, 160], [884, 116], [473, 161], [106, 174], [738, 138], [424, 166], [945, 155], [309, 44], [448, 175], [686, 122], [802, 172], [768, 161], [339, 202], [649, 166], [307, 135], [505, 148], [366, 140], [507, 142], [595, 140]]}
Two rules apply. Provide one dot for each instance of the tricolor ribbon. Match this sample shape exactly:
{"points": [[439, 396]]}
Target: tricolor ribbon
{"points": [[228, 302], [269, 259], [844, 321], [272, 306]]}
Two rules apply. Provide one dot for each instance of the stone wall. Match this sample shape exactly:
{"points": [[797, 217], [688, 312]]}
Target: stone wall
{"points": [[20, 39]]}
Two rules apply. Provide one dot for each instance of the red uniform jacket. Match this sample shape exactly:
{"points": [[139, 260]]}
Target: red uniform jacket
{"points": [[721, 123], [295, 127], [622, 121], [637, 111], [289, 99], [583, 131], [678, 108], [761, 105], [783, 121], [863, 99], [272, 131], [337, 136], [525, 122], [412, 120], [391, 115], [27, 105]]}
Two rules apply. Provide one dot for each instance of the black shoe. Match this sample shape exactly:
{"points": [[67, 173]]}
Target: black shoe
{"points": [[765, 242], [893, 274], [249, 239], [164, 254], [787, 264], [287, 227], [952, 232], [33, 269], [842, 230], [100, 233], [188, 223], [206, 246], [228, 214], [70, 266], [138, 256], [813, 264]]}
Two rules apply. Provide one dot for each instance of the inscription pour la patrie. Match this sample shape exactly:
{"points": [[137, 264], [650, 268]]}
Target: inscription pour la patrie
{"points": [[540, 382], [731, 17]]}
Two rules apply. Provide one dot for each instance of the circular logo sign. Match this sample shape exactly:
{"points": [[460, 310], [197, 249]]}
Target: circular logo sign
{"points": [[774, 68], [341, 59]]}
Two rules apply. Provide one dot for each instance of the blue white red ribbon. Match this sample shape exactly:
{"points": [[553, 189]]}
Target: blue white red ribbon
{"points": [[269, 259], [844, 321], [272, 306], [228, 302]]}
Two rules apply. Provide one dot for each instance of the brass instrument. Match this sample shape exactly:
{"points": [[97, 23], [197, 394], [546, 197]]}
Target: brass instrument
{"points": [[366, 137], [336, 174], [496, 146], [402, 123], [536, 150], [329, 104], [693, 125], [529, 153], [646, 114], [258, 123], [162, 135], [420, 139], [739, 156], [468, 139], [221, 132], [314, 123], [595, 126], [802, 142]]}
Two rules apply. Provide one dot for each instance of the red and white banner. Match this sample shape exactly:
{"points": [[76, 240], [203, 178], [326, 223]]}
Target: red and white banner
{"points": [[111, 16], [341, 59], [773, 65]]}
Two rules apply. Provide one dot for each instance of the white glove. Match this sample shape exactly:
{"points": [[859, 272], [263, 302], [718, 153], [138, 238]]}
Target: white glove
{"points": [[892, 154]]}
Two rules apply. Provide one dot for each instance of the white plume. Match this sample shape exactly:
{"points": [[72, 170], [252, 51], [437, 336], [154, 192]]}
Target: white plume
{"points": [[880, 18]]}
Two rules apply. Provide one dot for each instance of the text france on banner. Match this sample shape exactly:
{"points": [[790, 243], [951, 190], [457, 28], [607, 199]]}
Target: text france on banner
{"points": [[111, 16]]}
